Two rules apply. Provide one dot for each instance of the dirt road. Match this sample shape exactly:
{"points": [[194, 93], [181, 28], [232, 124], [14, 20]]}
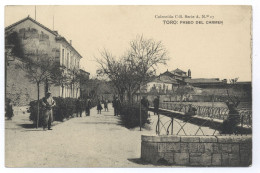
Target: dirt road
{"points": [[93, 141]]}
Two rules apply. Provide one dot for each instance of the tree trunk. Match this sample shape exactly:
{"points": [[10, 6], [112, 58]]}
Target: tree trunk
{"points": [[77, 92], [129, 97], [62, 89], [38, 105]]}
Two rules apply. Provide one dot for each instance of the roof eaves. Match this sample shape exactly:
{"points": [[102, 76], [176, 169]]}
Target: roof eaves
{"points": [[34, 21], [64, 39]]}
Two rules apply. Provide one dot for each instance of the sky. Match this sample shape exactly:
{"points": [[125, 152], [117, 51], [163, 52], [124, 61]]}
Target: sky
{"points": [[208, 50]]}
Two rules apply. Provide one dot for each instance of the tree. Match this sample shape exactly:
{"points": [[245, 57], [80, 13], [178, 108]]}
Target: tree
{"points": [[37, 70], [37, 61], [135, 67], [234, 99], [58, 76], [184, 91]]}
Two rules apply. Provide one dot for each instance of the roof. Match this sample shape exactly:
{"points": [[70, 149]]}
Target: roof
{"points": [[178, 71], [170, 73], [203, 80], [60, 38], [34, 21], [83, 71], [165, 79], [55, 33]]}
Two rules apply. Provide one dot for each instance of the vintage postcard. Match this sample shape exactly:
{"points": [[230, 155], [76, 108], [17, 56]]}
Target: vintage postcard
{"points": [[128, 86]]}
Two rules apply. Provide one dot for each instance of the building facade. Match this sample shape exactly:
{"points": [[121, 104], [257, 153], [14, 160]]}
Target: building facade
{"points": [[30, 38]]}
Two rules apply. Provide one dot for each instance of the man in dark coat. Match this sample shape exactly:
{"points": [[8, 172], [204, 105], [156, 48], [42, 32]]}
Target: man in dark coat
{"points": [[79, 107], [117, 106], [145, 103], [230, 124], [99, 106], [156, 105], [114, 105], [9, 112], [88, 107]]}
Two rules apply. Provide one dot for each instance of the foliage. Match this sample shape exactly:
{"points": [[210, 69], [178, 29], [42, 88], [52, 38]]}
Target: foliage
{"points": [[184, 91], [13, 39], [130, 115], [65, 107], [58, 76]]}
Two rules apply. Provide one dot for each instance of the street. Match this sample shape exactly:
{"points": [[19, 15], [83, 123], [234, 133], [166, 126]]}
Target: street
{"points": [[93, 141]]}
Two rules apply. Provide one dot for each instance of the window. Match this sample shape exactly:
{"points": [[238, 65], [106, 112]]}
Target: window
{"points": [[62, 60], [68, 60]]}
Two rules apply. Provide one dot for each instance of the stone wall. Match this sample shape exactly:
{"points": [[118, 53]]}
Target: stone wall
{"points": [[19, 88], [213, 151]]}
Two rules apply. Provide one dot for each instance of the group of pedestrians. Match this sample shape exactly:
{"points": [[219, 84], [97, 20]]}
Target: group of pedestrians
{"points": [[99, 106], [83, 105], [116, 103]]}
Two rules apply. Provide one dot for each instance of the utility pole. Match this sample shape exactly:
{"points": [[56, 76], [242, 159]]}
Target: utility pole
{"points": [[35, 12], [140, 108], [53, 23]]}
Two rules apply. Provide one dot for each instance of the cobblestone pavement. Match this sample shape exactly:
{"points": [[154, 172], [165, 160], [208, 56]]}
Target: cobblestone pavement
{"points": [[93, 141]]}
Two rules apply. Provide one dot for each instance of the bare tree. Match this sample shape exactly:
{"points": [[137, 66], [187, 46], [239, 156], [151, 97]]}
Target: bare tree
{"points": [[184, 91], [114, 69], [135, 67], [233, 98], [36, 71], [58, 77]]}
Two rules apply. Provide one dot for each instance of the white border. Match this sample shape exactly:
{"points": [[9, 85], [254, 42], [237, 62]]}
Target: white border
{"points": [[256, 79]]}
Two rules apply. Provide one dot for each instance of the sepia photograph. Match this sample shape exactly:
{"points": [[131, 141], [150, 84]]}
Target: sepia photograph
{"points": [[128, 86]]}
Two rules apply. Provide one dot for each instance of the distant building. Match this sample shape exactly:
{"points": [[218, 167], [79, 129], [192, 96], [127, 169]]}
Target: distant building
{"points": [[30, 37], [84, 82], [206, 88], [162, 84]]}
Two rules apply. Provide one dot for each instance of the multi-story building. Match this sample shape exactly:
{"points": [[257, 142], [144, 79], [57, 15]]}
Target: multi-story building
{"points": [[30, 39]]}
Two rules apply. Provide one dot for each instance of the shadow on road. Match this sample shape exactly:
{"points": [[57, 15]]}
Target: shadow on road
{"points": [[104, 123], [27, 126], [138, 161]]}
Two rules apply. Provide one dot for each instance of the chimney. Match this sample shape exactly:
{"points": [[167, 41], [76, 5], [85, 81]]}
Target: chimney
{"points": [[71, 42], [189, 73]]}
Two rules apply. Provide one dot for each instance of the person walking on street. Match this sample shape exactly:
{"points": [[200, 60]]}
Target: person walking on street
{"points": [[88, 106], [79, 107], [105, 105], [145, 103], [9, 112], [117, 106], [47, 103], [156, 102], [114, 105], [99, 106]]}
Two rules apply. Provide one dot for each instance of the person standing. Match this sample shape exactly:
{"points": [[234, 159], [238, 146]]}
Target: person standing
{"points": [[47, 103], [156, 102], [9, 112], [99, 106], [79, 107], [114, 105], [230, 124], [88, 106], [105, 105], [117, 106], [145, 103]]}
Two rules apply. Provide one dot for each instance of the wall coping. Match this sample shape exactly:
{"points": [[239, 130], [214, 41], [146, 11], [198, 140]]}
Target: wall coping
{"points": [[203, 139]]}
